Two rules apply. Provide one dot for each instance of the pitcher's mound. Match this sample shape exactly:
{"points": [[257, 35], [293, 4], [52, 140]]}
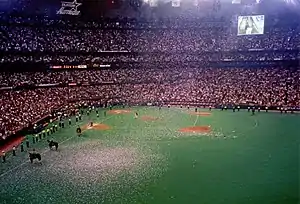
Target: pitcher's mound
{"points": [[96, 126], [119, 111], [149, 118], [196, 129], [201, 113]]}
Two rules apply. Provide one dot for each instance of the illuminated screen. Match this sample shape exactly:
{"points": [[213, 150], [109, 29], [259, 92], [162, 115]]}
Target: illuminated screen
{"points": [[251, 25], [236, 2]]}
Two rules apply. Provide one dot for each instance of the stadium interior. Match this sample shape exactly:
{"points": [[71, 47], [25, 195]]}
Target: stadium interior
{"points": [[161, 89]]}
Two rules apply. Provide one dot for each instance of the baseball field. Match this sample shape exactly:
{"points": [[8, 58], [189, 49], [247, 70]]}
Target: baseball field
{"points": [[167, 156]]}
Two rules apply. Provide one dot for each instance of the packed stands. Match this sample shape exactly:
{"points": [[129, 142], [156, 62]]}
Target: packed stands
{"points": [[150, 62]]}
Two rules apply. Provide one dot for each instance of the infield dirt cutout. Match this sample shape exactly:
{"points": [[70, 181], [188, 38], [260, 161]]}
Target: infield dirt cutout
{"points": [[149, 118], [201, 113], [195, 129], [96, 126], [119, 111]]}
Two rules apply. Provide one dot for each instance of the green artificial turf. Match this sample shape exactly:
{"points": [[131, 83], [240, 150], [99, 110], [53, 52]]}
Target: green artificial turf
{"points": [[244, 159]]}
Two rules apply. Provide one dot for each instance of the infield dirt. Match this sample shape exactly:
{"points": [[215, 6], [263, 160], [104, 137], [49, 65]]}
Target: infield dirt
{"points": [[201, 113], [96, 126], [148, 118], [119, 111], [195, 129]]}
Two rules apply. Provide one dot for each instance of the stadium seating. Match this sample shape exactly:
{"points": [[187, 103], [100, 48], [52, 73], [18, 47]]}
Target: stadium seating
{"points": [[169, 63]]}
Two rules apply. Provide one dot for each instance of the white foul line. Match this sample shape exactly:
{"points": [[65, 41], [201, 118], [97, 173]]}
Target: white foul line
{"points": [[196, 120]]}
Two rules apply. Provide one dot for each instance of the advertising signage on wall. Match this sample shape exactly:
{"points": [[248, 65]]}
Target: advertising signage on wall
{"points": [[79, 66], [69, 67]]}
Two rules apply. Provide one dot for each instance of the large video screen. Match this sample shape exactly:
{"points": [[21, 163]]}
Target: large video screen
{"points": [[251, 25]]}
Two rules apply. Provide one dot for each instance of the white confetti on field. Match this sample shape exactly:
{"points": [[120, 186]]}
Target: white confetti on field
{"points": [[89, 172], [94, 162]]}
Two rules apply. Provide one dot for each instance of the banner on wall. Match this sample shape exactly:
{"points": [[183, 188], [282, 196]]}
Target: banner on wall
{"points": [[69, 8]]}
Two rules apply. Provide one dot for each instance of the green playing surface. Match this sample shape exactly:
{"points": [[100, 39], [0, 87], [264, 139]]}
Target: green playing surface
{"points": [[244, 159]]}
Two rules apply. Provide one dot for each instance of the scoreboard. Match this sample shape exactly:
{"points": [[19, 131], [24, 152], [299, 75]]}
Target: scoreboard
{"points": [[251, 25]]}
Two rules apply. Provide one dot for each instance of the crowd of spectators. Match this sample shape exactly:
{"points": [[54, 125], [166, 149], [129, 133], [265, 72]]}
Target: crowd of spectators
{"points": [[53, 42], [265, 87], [255, 56], [41, 39], [155, 63]]}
